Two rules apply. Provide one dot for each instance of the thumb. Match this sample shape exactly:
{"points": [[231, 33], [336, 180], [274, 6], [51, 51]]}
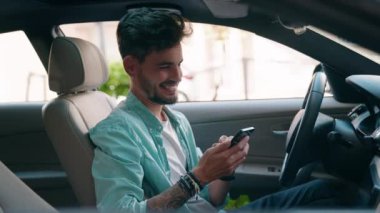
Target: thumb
{"points": [[223, 144]]}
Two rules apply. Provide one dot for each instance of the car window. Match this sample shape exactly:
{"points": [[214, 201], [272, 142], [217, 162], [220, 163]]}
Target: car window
{"points": [[220, 63], [20, 63]]}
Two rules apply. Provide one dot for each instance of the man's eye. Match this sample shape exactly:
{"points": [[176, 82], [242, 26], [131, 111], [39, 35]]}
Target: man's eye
{"points": [[164, 66]]}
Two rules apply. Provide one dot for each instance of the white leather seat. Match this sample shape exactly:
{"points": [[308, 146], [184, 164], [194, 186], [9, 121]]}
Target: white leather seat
{"points": [[16, 196], [76, 70]]}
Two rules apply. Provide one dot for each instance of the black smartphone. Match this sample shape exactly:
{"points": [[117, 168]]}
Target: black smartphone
{"points": [[241, 134]]}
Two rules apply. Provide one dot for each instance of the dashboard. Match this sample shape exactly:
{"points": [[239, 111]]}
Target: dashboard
{"points": [[365, 120]]}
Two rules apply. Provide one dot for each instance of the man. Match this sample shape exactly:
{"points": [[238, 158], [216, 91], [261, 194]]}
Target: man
{"points": [[145, 157]]}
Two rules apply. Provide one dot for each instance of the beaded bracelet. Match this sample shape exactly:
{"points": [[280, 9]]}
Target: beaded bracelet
{"points": [[197, 181], [187, 185], [195, 185], [190, 184]]}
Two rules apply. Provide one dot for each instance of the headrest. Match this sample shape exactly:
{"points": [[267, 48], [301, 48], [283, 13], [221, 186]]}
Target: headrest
{"points": [[75, 65]]}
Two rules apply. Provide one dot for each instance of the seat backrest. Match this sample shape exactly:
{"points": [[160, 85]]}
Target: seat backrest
{"points": [[16, 196], [76, 70]]}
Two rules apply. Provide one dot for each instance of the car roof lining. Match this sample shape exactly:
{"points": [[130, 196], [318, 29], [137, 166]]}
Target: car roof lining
{"points": [[336, 16], [227, 9], [356, 21]]}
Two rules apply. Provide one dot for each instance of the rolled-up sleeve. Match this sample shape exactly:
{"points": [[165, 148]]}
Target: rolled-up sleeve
{"points": [[117, 171]]}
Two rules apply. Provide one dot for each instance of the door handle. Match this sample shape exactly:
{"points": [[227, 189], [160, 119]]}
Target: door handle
{"points": [[280, 132]]}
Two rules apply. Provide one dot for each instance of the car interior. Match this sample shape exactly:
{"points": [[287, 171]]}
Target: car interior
{"points": [[45, 151]]}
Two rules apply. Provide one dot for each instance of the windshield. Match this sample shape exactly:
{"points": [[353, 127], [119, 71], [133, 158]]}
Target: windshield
{"points": [[374, 56]]}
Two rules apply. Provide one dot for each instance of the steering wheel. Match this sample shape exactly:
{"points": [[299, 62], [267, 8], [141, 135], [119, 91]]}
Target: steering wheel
{"points": [[299, 140]]}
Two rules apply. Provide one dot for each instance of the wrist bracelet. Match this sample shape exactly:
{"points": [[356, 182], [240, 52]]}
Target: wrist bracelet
{"points": [[186, 184], [197, 181], [190, 184]]}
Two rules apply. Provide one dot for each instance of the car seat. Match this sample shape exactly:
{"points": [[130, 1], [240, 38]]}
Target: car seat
{"points": [[76, 69], [16, 196]]}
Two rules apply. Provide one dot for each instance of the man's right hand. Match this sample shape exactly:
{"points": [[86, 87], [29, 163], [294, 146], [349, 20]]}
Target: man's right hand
{"points": [[220, 160]]}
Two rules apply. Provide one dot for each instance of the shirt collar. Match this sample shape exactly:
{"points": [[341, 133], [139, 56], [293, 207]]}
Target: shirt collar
{"points": [[134, 104]]}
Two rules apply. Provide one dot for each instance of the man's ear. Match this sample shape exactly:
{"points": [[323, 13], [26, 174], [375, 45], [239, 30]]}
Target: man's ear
{"points": [[130, 65]]}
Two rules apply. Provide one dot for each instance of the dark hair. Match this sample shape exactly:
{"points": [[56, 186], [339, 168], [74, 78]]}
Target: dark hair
{"points": [[144, 30]]}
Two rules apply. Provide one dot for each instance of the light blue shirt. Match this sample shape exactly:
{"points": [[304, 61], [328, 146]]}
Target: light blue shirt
{"points": [[130, 163]]}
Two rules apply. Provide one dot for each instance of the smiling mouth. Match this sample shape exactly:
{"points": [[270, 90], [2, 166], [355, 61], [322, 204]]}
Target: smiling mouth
{"points": [[170, 87]]}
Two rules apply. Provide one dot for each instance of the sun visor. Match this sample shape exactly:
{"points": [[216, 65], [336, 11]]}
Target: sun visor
{"points": [[227, 8]]}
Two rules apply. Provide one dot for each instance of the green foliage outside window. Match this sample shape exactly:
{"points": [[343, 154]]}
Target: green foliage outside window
{"points": [[118, 83]]}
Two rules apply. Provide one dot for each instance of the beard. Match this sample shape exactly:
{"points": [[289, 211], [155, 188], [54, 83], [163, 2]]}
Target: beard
{"points": [[153, 93], [163, 100]]}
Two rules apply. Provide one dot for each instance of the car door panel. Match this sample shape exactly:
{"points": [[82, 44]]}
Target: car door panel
{"points": [[260, 172], [26, 150]]}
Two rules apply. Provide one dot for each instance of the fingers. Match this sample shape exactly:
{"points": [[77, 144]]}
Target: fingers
{"points": [[236, 157], [239, 157], [221, 160], [237, 163], [243, 142], [231, 167], [223, 138], [240, 146], [238, 153], [222, 145], [246, 148]]}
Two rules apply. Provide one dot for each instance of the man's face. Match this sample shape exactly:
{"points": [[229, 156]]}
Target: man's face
{"points": [[158, 76]]}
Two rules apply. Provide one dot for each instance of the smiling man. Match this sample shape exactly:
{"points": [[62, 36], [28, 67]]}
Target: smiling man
{"points": [[146, 158]]}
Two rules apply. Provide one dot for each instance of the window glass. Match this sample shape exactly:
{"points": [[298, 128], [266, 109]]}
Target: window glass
{"points": [[221, 63], [22, 75]]}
